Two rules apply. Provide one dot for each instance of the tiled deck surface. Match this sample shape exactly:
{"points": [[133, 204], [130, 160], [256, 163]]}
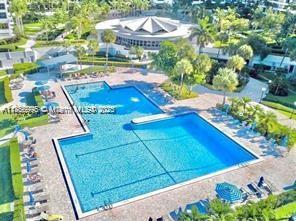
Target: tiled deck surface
{"points": [[279, 171]]}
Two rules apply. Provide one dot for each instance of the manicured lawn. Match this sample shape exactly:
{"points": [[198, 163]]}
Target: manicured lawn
{"points": [[40, 43], [2, 94], [32, 28], [173, 90], [11, 185], [285, 211], [281, 108], [8, 122], [6, 188], [14, 46], [284, 100]]}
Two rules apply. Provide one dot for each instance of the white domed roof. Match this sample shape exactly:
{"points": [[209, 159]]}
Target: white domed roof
{"points": [[151, 24]]}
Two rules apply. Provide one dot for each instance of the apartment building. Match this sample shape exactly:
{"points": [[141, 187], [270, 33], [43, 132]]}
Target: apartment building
{"points": [[6, 21]]}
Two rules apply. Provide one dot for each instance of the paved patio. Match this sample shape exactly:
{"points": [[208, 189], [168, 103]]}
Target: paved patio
{"points": [[279, 171]]}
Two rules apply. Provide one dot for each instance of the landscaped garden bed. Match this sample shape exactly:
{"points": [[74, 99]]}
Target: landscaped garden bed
{"points": [[174, 90]]}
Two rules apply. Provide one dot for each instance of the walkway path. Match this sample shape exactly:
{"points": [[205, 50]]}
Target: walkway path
{"points": [[252, 90]]}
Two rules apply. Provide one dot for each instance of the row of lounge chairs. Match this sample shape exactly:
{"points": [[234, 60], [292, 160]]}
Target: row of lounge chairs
{"points": [[78, 76], [37, 199], [243, 129]]}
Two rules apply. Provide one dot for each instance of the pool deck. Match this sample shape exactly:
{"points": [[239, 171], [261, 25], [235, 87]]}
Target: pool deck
{"points": [[279, 171]]}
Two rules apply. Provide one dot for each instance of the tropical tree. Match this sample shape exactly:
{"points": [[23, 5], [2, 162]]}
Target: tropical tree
{"points": [[244, 101], [222, 37], [204, 33], [79, 22], [226, 80], [245, 51], [202, 64], [183, 68], [108, 37], [221, 211], [93, 47], [195, 215], [80, 52], [266, 122], [258, 44], [47, 25], [236, 62], [19, 8], [289, 47], [138, 51], [166, 58]]}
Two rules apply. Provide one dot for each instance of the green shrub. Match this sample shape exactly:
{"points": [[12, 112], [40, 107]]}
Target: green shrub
{"points": [[7, 90], [37, 97], [174, 90]]}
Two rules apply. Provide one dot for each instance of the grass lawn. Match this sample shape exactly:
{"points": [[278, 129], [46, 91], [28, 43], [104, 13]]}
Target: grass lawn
{"points": [[11, 184], [173, 90], [40, 43], [281, 108], [285, 211], [32, 28], [8, 122], [14, 46], [284, 100], [2, 94], [2, 73]]}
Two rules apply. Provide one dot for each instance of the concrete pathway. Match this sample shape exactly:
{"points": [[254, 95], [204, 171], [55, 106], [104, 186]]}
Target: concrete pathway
{"points": [[252, 90]]}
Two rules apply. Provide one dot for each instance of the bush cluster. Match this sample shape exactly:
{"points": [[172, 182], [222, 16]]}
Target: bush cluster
{"points": [[266, 122], [7, 90]]}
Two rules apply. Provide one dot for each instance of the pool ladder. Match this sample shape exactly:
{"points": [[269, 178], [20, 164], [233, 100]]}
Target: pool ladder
{"points": [[107, 206]]}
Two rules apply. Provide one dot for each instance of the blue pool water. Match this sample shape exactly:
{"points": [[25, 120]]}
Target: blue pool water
{"points": [[119, 160]]}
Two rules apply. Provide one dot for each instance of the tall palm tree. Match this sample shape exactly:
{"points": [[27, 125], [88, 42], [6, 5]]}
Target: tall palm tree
{"points": [[226, 80], [46, 24], [183, 68], [80, 52], [222, 37], [108, 38], [93, 47], [19, 8], [204, 33]]}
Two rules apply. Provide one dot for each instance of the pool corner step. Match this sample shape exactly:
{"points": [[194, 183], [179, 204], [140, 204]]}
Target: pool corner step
{"points": [[150, 118]]}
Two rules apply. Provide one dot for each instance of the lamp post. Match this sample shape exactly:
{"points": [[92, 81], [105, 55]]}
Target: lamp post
{"points": [[263, 91], [293, 110]]}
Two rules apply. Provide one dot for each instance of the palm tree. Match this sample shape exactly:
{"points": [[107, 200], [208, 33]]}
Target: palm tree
{"points": [[244, 102], [93, 47], [245, 51], [108, 37], [183, 67], [266, 122], [80, 52], [236, 62], [226, 80], [47, 25], [80, 22], [204, 33], [221, 211], [19, 8], [222, 38]]}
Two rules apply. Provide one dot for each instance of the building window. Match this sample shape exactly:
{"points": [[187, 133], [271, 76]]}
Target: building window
{"points": [[3, 15], [2, 6]]}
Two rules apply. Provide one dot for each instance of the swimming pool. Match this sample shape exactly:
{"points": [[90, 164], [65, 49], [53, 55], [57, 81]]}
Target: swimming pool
{"points": [[119, 160]]}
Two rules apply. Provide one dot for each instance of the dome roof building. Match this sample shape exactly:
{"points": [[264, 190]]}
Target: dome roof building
{"points": [[147, 32]]}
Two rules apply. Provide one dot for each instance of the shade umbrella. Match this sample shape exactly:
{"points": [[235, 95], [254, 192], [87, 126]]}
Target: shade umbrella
{"points": [[51, 105], [228, 192]]}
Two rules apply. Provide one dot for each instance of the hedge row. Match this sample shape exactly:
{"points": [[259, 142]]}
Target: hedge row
{"points": [[38, 99], [24, 68], [17, 180], [112, 63], [279, 101], [7, 90]]}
